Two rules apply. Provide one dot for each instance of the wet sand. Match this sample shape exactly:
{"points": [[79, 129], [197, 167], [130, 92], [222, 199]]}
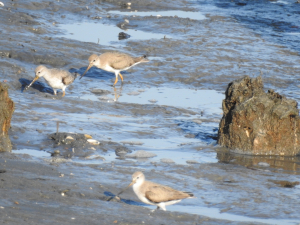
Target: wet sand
{"points": [[170, 106]]}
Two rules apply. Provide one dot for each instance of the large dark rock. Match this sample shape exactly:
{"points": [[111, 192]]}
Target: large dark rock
{"points": [[258, 123], [6, 111]]}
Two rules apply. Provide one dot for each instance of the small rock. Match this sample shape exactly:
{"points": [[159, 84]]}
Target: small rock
{"points": [[263, 164], [122, 151], [55, 153], [197, 121], [141, 154], [1, 4], [192, 162], [133, 93], [132, 142], [165, 160], [286, 184], [190, 136], [15, 137], [100, 92], [123, 36], [87, 136], [93, 141], [69, 138], [153, 100]]}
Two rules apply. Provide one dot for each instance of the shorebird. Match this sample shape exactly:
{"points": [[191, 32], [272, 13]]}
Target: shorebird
{"points": [[114, 62], [156, 194], [56, 78]]}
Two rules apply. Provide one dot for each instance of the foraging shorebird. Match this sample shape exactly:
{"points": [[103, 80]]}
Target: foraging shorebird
{"points": [[56, 78], [156, 194], [114, 62]]}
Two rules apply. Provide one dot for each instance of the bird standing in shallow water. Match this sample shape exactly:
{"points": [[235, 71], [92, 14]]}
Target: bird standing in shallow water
{"points": [[56, 78], [114, 62], [156, 194]]}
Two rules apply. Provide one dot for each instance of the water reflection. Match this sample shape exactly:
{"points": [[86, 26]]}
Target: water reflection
{"points": [[277, 162], [102, 33], [118, 92]]}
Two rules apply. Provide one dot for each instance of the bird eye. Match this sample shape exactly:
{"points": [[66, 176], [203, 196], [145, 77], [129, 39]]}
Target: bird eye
{"points": [[94, 60], [137, 178], [39, 72]]}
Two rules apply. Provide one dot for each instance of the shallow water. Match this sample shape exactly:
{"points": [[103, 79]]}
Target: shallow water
{"points": [[228, 42], [208, 100], [171, 13], [94, 32]]}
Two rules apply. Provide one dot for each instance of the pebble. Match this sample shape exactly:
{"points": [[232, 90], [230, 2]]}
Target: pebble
{"points": [[141, 154], [93, 141], [132, 142], [192, 162], [153, 100], [197, 121], [88, 136], [263, 164], [1, 4], [133, 93], [165, 160]]}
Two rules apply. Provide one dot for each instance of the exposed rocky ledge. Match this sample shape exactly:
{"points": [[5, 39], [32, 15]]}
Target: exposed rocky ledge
{"points": [[258, 123], [6, 111]]}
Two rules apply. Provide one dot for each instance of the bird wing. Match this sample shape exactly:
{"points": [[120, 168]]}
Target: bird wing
{"points": [[164, 194], [66, 77], [120, 61]]}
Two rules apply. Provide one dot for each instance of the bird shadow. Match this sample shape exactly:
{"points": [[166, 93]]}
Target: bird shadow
{"points": [[36, 85], [129, 202], [95, 73]]}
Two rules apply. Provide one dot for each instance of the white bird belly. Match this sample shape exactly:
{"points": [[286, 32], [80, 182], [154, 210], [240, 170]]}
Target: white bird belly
{"points": [[56, 83], [141, 196]]}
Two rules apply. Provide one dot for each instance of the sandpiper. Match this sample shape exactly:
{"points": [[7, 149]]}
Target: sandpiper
{"points": [[56, 78], [156, 194], [114, 62]]}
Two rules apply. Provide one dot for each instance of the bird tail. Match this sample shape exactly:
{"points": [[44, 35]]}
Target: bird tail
{"points": [[190, 194], [141, 59], [76, 75]]}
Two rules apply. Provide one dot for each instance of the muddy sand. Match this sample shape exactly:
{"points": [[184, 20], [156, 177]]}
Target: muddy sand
{"points": [[170, 107]]}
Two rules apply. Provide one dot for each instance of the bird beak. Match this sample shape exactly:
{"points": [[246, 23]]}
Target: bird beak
{"points": [[132, 183], [36, 77], [87, 69]]}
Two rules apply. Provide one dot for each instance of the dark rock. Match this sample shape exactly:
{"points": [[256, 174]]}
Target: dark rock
{"points": [[7, 107], [286, 184], [70, 140], [258, 123], [122, 151], [123, 35]]}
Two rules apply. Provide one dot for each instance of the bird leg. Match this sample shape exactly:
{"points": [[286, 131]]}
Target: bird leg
{"points": [[116, 80], [121, 77], [153, 210], [64, 93]]}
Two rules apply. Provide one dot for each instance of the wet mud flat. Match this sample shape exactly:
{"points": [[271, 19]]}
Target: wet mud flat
{"points": [[190, 58]]}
